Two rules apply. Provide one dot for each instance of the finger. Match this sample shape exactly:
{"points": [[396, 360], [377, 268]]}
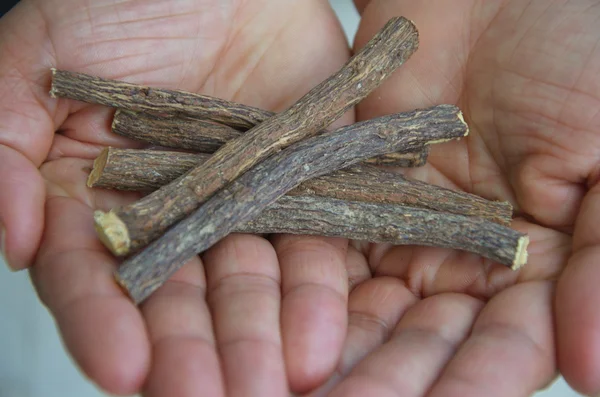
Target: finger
{"points": [[511, 349], [93, 124], [361, 5], [357, 267], [27, 119], [63, 146], [21, 208], [100, 327], [374, 309], [578, 320], [244, 298], [86, 132], [66, 177], [422, 343], [429, 271], [314, 285], [185, 358]]}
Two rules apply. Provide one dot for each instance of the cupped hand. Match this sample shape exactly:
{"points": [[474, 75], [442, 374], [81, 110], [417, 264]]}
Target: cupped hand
{"points": [[434, 322], [214, 328]]}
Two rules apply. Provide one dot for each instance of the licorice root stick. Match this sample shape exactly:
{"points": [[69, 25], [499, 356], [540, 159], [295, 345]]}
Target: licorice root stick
{"points": [[206, 137], [388, 223], [248, 195], [147, 170], [133, 226]]}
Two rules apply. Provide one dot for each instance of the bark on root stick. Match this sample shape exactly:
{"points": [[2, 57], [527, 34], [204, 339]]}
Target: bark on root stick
{"points": [[143, 170], [156, 101], [207, 137], [403, 160], [361, 202], [388, 223], [170, 132], [131, 227], [140, 169], [261, 186]]}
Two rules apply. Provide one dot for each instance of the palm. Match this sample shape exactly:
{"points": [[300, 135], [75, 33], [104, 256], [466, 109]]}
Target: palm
{"points": [[524, 74], [262, 53]]}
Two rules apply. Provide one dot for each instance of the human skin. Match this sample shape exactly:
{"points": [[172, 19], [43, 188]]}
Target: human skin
{"points": [[525, 74], [215, 325], [319, 315]]}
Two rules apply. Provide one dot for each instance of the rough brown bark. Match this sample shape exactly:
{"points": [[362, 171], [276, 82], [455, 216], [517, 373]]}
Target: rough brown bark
{"points": [[207, 137], [157, 101], [140, 170], [143, 170], [135, 225], [251, 193], [388, 223], [178, 133], [368, 183], [403, 160], [323, 216]]}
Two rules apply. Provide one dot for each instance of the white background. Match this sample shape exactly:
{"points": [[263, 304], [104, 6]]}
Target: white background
{"points": [[33, 362]]}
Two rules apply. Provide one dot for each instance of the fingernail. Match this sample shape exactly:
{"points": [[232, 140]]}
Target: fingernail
{"points": [[3, 246]]}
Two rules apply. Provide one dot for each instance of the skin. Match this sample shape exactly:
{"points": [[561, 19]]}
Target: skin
{"points": [[320, 316]]}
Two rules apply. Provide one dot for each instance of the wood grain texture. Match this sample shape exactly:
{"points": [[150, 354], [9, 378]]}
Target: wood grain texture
{"points": [[173, 132], [248, 195], [150, 100], [207, 137], [402, 160], [388, 223], [140, 169], [143, 221], [144, 170], [372, 222]]}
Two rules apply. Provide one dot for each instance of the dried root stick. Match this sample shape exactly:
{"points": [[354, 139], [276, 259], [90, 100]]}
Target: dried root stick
{"points": [[147, 170], [133, 226], [251, 193]]}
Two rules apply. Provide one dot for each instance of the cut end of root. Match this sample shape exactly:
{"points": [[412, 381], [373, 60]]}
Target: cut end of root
{"points": [[115, 120], [52, 92], [112, 232], [521, 253], [461, 117], [122, 284], [99, 164]]}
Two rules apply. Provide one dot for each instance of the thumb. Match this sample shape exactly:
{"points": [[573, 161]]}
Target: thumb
{"points": [[21, 207], [577, 297], [26, 131]]}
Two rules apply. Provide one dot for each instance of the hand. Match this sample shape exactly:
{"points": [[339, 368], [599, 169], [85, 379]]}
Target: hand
{"points": [[258, 52], [433, 322]]}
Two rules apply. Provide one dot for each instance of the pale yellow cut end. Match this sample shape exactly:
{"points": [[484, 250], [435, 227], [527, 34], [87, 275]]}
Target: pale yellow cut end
{"points": [[462, 120], [461, 117], [115, 121], [52, 93], [122, 284], [437, 141], [112, 232], [521, 254], [99, 164]]}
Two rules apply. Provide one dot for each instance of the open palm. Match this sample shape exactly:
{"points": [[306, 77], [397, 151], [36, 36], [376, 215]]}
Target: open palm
{"points": [[441, 323], [262, 53]]}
